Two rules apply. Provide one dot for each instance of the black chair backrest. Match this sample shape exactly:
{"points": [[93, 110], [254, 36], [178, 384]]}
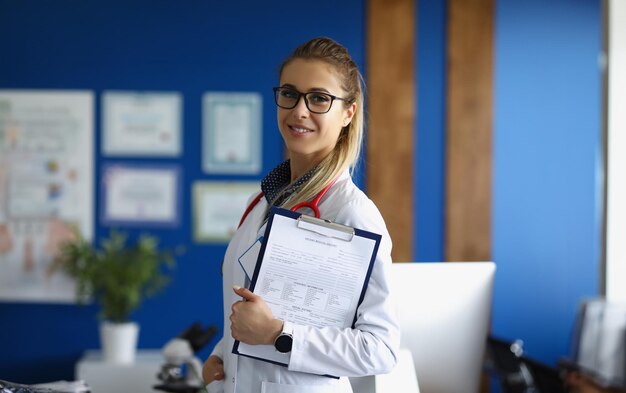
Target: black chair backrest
{"points": [[516, 373]]}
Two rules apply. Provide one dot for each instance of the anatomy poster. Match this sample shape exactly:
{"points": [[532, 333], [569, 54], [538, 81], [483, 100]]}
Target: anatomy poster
{"points": [[46, 183]]}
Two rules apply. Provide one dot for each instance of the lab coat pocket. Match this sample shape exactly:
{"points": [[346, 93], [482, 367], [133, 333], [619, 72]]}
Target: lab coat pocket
{"points": [[272, 387], [215, 387]]}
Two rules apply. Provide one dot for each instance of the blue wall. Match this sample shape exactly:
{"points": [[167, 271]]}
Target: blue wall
{"points": [[191, 47], [546, 195], [546, 221], [429, 173]]}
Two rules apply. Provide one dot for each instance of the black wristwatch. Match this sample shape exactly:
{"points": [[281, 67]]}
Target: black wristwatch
{"points": [[284, 341]]}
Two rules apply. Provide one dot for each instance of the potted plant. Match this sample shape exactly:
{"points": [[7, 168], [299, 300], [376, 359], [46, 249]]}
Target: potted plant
{"points": [[118, 277]]}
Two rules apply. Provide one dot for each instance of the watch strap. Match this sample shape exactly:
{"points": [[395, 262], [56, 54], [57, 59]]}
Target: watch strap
{"points": [[287, 328], [284, 341]]}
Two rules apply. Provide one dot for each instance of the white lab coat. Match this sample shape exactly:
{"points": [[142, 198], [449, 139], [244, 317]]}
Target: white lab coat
{"points": [[368, 349]]}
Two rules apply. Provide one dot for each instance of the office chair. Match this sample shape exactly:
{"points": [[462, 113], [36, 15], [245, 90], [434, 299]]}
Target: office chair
{"points": [[517, 373]]}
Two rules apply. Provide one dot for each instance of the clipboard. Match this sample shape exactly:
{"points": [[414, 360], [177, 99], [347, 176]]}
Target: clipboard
{"points": [[310, 271]]}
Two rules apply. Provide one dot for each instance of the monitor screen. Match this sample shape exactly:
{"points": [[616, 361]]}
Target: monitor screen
{"points": [[444, 310]]}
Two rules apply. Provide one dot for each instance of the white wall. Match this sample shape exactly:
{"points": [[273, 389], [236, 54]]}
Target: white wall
{"points": [[616, 197]]}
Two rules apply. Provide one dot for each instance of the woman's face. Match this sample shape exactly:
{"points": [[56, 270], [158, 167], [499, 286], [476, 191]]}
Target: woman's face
{"points": [[310, 136]]}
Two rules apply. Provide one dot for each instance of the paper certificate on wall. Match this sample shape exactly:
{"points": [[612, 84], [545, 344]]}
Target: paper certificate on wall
{"points": [[231, 133], [146, 124], [312, 272], [140, 195], [46, 188], [217, 209]]}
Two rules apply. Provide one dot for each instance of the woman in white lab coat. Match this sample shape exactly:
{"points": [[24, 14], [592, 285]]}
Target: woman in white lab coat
{"points": [[320, 117]]}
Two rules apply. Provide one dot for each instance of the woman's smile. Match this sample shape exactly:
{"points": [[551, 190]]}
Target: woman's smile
{"points": [[299, 130]]}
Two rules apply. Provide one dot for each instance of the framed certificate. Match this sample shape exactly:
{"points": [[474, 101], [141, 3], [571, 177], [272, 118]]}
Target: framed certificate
{"points": [[218, 207], [141, 124], [231, 133], [140, 195]]}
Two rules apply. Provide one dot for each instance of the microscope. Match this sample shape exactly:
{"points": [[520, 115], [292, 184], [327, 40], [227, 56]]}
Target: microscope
{"points": [[182, 371]]}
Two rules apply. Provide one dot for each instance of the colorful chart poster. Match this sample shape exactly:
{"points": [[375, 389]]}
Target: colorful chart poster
{"points": [[46, 183]]}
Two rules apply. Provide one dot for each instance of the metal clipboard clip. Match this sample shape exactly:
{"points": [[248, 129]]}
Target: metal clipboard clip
{"points": [[326, 228]]}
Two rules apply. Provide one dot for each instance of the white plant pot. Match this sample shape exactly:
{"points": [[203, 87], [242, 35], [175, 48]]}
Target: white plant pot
{"points": [[119, 341]]}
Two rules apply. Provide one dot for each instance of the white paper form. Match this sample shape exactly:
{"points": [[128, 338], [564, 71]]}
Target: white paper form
{"points": [[309, 278]]}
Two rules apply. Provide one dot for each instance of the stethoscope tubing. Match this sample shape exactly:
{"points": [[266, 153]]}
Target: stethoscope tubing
{"points": [[313, 204]]}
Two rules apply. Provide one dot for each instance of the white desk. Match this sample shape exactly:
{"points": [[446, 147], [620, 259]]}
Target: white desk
{"points": [[142, 375], [138, 377]]}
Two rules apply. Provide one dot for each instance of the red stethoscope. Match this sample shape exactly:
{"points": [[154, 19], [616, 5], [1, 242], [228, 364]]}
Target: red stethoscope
{"points": [[313, 204]]}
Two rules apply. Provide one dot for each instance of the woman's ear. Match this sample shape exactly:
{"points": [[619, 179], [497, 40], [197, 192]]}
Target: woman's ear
{"points": [[349, 114]]}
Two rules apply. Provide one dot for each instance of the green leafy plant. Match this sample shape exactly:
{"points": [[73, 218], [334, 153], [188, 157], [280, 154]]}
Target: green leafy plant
{"points": [[117, 276]]}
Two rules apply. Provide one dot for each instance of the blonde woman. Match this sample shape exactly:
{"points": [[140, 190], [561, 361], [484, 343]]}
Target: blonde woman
{"points": [[320, 117]]}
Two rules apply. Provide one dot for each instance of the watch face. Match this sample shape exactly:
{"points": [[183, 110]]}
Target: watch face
{"points": [[283, 343]]}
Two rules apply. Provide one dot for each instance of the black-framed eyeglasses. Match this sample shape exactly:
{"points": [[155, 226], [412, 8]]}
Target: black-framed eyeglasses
{"points": [[315, 101]]}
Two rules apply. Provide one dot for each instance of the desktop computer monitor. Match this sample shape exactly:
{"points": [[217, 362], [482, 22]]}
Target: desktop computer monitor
{"points": [[444, 310]]}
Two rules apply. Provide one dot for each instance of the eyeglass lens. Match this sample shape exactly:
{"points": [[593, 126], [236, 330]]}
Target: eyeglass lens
{"points": [[316, 102]]}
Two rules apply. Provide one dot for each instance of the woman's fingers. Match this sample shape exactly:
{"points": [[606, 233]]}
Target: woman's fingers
{"points": [[213, 369]]}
